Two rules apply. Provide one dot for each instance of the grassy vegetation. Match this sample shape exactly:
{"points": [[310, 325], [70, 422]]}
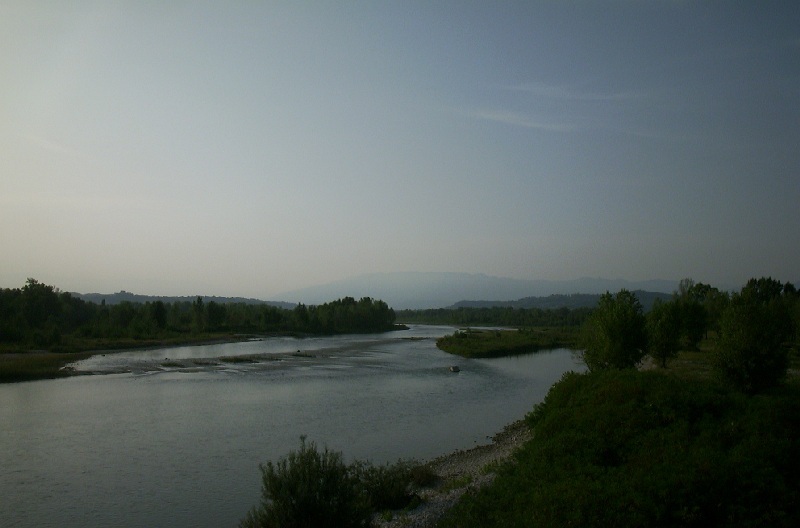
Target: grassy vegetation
{"points": [[69, 344], [35, 365], [669, 447], [25, 365], [476, 343], [315, 487]]}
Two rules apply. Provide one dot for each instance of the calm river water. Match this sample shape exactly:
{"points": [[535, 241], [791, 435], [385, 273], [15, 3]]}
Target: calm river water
{"points": [[174, 437]]}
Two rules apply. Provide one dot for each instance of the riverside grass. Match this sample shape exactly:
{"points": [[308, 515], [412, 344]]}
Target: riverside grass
{"points": [[28, 365], [489, 343]]}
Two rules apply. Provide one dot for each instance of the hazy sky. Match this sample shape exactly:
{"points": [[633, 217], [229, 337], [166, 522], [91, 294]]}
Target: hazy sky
{"points": [[249, 148]]}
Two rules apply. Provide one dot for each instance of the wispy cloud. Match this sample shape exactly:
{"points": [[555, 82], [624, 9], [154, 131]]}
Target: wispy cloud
{"points": [[53, 146], [552, 91], [520, 120]]}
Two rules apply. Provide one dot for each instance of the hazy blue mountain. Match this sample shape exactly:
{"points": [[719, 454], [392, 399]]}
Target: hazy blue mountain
{"points": [[434, 290], [571, 301], [411, 290], [116, 298]]}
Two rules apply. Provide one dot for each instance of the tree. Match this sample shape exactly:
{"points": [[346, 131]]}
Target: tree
{"points": [[663, 331], [691, 311], [39, 303], [614, 335], [750, 353], [158, 311], [216, 314], [309, 488], [198, 315]]}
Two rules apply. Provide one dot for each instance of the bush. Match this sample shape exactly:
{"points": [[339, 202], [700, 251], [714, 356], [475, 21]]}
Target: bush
{"points": [[309, 489], [312, 488], [386, 487]]}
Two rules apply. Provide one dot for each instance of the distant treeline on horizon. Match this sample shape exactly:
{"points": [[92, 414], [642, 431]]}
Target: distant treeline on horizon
{"points": [[41, 316]]}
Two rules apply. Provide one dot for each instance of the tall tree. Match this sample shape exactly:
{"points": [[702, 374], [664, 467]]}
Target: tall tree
{"points": [[663, 331], [689, 305], [39, 303], [750, 353], [614, 335]]}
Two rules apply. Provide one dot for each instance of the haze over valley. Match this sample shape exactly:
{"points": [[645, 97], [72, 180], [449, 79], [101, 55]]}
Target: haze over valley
{"points": [[257, 150]]}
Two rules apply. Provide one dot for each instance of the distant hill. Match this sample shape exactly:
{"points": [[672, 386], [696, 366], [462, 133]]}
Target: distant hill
{"points": [[122, 296], [555, 301], [418, 290]]}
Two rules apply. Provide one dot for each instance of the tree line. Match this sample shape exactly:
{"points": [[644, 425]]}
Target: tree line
{"points": [[497, 316], [40, 316], [754, 330]]}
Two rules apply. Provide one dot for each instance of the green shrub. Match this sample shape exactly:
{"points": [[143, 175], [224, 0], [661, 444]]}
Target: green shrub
{"points": [[309, 489], [313, 488], [386, 487]]}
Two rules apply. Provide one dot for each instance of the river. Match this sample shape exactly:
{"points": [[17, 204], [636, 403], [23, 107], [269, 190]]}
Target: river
{"points": [[174, 437]]}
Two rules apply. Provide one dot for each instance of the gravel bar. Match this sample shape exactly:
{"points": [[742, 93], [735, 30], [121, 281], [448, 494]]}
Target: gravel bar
{"points": [[458, 473]]}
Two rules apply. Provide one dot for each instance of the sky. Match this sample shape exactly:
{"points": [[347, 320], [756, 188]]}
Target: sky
{"points": [[251, 148]]}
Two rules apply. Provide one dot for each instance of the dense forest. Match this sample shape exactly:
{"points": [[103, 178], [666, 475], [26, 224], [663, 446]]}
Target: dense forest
{"points": [[40, 316]]}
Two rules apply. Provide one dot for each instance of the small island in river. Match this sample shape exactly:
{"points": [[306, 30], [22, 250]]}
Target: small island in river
{"points": [[487, 343]]}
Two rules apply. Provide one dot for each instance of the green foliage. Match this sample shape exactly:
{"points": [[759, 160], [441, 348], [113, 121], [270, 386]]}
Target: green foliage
{"points": [[700, 307], [313, 488], [496, 343], [629, 448], [751, 352], [39, 316], [691, 312], [308, 489], [497, 316], [34, 365], [387, 487], [663, 331], [614, 335]]}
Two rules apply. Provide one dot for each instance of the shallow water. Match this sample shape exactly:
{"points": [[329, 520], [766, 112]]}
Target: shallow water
{"points": [[177, 442]]}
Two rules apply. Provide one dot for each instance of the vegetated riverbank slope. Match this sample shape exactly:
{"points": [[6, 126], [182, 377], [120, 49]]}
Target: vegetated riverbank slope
{"points": [[631, 448]]}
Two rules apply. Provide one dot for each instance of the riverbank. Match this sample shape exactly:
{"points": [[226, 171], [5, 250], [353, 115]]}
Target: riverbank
{"points": [[459, 472], [29, 365], [494, 342], [465, 470], [34, 365]]}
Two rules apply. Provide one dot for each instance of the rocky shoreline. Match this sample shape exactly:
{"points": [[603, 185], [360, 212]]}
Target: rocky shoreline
{"points": [[458, 472]]}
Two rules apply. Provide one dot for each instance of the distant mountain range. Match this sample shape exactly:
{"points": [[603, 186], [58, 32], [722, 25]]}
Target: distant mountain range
{"points": [[414, 290], [555, 301], [122, 296], [418, 290]]}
